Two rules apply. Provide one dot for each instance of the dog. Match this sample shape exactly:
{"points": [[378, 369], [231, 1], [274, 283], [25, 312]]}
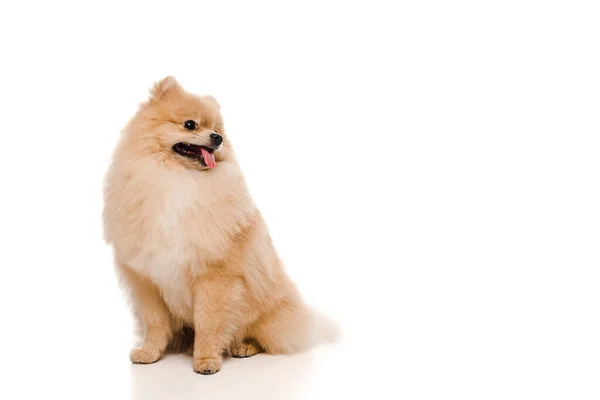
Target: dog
{"points": [[190, 245]]}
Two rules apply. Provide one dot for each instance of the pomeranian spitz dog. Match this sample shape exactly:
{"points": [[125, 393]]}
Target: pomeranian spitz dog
{"points": [[189, 243]]}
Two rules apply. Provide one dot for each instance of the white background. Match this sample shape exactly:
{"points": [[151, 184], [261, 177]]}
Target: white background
{"points": [[429, 171]]}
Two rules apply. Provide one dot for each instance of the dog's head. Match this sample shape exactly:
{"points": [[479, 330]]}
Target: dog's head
{"points": [[180, 128]]}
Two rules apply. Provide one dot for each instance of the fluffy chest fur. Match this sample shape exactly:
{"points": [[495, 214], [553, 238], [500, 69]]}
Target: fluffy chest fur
{"points": [[168, 225]]}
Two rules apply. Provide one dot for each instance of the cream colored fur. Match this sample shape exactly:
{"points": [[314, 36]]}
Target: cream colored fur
{"points": [[191, 245]]}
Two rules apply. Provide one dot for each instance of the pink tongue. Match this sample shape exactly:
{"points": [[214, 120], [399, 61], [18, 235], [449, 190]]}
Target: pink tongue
{"points": [[209, 158]]}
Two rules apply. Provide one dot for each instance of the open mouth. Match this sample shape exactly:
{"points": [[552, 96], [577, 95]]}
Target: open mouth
{"points": [[201, 153]]}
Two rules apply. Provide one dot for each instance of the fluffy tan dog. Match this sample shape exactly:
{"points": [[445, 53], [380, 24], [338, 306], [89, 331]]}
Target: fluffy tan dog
{"points": [[189, 242]]}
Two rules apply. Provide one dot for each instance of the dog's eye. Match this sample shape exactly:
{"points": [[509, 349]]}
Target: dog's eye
{"points": [[190, 125]]}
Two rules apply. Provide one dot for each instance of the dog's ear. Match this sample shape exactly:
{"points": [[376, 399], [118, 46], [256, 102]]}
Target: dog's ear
{"points": [[213, 101], [163, 86]]}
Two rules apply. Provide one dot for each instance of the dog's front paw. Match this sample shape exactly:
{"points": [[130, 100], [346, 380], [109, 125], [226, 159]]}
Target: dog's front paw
{"points": [[143, 356], [207, 366]]}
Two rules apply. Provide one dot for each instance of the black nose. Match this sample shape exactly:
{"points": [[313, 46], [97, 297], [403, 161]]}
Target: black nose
{"points": [[216, 138]]}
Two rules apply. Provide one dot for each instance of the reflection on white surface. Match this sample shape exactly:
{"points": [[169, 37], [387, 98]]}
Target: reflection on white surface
{"points": [[261, 377]]}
